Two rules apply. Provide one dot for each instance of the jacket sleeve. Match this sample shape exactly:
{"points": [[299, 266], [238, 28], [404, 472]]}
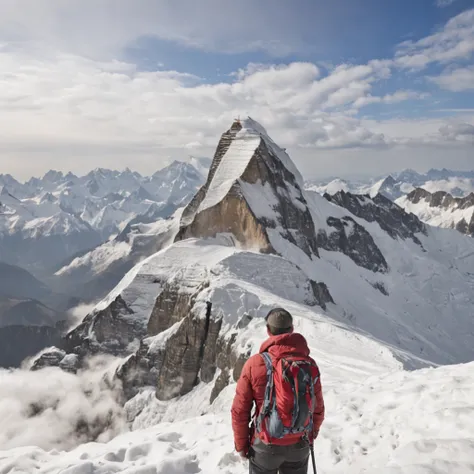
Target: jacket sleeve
{"points": [[318, 416], [242, 410]]}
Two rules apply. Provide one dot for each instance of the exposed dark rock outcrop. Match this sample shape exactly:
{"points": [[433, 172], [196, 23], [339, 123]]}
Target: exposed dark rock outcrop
{"points": [[354, 241], [111, 330], [51, 358], [391, 218], [321, 293], [381, 287], [446, 201], [184, 356], [229, 363], [174, 364], [441, 199]]}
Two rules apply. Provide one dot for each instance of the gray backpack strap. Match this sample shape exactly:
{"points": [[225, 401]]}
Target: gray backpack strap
{"points": [[268, 390]]}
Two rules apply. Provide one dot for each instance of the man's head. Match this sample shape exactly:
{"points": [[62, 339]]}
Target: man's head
{"points": [[279, 321]]}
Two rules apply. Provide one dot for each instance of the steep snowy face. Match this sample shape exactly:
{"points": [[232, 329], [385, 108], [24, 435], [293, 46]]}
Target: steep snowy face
{"points": [[95, 273], [254, 192], [441, 209]]}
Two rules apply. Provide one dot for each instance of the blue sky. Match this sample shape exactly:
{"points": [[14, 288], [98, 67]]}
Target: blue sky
{"points": [[338, 31], [348, 86]]}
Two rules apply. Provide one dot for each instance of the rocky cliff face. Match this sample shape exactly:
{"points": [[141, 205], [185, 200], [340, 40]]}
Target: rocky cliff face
{"points": [[392, 218], [353, 240], [252, 187], [441, 199]]}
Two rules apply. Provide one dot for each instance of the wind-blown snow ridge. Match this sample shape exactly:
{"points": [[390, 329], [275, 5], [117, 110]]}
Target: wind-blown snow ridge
{"points": [[232, 166], [237, 158]]}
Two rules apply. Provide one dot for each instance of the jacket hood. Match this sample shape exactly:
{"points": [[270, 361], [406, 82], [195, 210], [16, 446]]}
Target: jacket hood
{"points": [[286, 344]]}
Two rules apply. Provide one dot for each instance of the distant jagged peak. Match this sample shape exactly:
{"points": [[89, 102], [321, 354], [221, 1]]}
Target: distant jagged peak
{"points": [[389, 181], [177, 169], [8, 179], [442, 209], [102, 173], [70, 176], [408, 175], [441, 199], [201, 163], [53, 176]]}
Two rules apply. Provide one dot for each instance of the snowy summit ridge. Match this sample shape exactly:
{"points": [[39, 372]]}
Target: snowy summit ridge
{"points": [[254, 192]]}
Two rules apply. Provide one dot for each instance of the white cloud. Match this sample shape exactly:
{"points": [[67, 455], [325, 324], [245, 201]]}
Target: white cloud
{"points": [[440, 132], [457, 80], [461, 132], [71, 105], [444, 3], [396, 97], [454, 41], [58, 410], [101, 28], [90, 110]]}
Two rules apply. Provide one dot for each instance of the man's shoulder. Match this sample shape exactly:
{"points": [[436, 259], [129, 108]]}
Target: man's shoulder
{"points": [[253, 361]]}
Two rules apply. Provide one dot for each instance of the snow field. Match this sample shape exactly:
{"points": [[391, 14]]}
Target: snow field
{"points": [[404, 422]]}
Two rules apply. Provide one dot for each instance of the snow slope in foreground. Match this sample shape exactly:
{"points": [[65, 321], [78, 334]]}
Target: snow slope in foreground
{"points": [[402, 423]]}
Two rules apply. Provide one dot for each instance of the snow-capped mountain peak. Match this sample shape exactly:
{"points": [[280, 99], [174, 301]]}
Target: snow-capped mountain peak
{"points": [[441, 209], [99, 205]]}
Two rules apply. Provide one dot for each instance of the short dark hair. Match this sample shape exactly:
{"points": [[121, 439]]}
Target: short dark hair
{"points": [[277, 331], [279, 321]]}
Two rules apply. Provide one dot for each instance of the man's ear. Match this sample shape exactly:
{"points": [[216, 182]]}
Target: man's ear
{"points": [[292, 330], [268, 331]]}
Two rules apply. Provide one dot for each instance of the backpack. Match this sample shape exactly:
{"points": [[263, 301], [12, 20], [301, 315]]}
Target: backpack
{"points": [[289, 403]]}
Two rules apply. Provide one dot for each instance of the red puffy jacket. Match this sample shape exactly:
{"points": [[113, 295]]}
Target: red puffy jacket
{"points": [[252, 383]]}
